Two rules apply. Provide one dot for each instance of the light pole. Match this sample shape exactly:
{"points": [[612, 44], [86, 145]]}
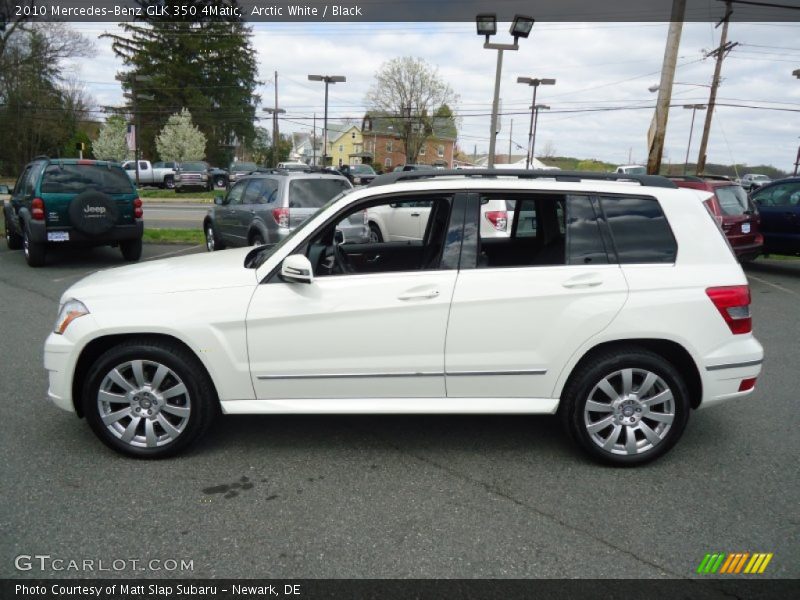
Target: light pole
{"points": [[275, 134], [695, 108], [487, 26], [534, 83], [328, 79], [536, 108]]}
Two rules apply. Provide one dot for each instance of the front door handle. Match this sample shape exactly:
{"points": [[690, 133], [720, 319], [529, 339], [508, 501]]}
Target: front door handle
{"points": [[415, 214], [425, 295], [582, 281]]}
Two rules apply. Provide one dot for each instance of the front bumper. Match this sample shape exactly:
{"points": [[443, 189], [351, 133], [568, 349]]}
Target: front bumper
{"points": [[59, 364]]}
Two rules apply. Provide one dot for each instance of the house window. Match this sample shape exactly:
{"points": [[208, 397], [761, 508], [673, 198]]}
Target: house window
{"points": [[440, 150], [389, 146], [422, 151], [341, 147], [388, 161]]}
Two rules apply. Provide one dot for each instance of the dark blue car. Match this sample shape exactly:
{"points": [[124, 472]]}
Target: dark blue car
{"points": [[779, 205]]}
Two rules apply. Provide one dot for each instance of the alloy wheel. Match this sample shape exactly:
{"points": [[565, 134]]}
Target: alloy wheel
{"points": [[210, 238]]}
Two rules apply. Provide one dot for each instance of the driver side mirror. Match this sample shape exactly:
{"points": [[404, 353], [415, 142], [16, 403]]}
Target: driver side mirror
{"points": [[4, 189], [219, 200], [297, 269]]}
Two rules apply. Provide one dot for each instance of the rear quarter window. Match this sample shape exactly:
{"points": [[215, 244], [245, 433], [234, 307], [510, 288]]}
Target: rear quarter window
{"points": [[76, 179], [313, 193], [640, 231]]}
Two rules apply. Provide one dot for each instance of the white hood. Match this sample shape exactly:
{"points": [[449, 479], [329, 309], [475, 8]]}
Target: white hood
{"points": [[201, 271]]}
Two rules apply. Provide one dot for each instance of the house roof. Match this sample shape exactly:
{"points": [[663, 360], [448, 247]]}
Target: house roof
{"points": [[383, 123]]}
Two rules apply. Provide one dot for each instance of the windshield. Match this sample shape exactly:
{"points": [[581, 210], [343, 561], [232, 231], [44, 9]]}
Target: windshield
{"points": [[74, 179], [193, 166], [363, 169], [259, 255], [732, 200], [634, 171], [313, 193], [760, 178], [244, 166]]}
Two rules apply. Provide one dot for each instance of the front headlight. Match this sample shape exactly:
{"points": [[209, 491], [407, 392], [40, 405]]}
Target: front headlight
{"points": [[67, 313], [204, 177]]}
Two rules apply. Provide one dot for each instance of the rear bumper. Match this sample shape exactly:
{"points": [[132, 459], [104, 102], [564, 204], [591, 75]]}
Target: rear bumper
{"points": [[723, 371], [749, 250], [119, 233]]}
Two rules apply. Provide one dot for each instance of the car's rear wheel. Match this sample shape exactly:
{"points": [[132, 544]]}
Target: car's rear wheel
{"points": [[375, 236], [626, 407], [13, 239], [148, 398], [257, 239], [219, 181], [131, 250], [35, 252]]}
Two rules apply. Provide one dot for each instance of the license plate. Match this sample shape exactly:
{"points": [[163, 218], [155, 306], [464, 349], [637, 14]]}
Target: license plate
{"points": [[58, 236], [745, 227]]}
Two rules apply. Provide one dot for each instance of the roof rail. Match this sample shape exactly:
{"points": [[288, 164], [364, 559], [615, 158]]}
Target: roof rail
{"points": [[572, 176], [693, 178], [714, 177]]}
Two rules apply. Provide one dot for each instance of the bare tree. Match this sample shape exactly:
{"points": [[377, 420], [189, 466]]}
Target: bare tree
{"points": [[549, 150], [407, 93]]}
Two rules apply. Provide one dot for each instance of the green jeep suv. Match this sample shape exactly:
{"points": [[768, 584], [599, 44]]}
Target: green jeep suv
{"points": [[58, 202]]}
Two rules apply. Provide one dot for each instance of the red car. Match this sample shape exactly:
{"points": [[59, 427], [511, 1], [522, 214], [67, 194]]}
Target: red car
{"points": [[733, 211]]}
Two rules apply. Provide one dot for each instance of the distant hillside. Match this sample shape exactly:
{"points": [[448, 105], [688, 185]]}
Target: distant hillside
{"points": [[568, 163]]}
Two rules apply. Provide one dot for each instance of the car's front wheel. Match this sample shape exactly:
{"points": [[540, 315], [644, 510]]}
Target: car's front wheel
{"points": [[131, 250], [212, 239], [626, 407], [375, 236], [148, 398]]}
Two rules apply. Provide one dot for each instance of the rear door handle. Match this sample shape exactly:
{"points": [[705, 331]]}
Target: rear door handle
{"points": [[415, 214], [427, 295], [583, 281]]}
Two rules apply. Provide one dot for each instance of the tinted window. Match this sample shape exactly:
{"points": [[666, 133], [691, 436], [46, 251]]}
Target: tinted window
{"points": [[363, 169], [584, 243], [75, 179], [244, 166], [313, 193], [236, 193], [732, 200], [640, 230], [193, 166], [261, 191], [783, 194]]}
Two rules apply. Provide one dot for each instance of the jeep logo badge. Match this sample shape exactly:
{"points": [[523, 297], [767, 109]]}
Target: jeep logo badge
{"points": [[99, 210]]}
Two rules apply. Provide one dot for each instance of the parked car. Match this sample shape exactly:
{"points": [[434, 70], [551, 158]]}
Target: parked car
{"points": [[779, 205], [358, 174], [194, 175], [753, 181], [264, 208], [71, 202], [159, 174], [401, 168], [293, 166], [631, 170], [736, 215], [239, 169], [635, 315]]}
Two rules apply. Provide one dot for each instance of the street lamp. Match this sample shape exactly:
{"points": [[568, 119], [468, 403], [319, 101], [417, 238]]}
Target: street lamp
{"points": [[328, 79], [486, 25], [275, 132], [134, 96], [534, 83], [695, 108]]}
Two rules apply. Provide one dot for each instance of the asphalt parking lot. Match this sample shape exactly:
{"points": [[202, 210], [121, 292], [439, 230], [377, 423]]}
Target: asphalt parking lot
{"points": [[403, 496]]}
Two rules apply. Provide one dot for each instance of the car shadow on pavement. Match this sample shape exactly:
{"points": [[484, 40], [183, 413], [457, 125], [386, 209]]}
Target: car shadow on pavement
{"points": [[72, 257], [789, 268]]}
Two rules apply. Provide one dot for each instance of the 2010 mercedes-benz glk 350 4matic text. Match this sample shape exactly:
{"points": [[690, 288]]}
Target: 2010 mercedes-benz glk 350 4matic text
{"points": [[615, 303]]}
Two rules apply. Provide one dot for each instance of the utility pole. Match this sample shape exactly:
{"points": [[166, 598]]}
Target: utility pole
{"points": [[510, 135], [797, 161], [314, 141], [536, 109], [658, 127], [720, 52], [275, 132], [695, 108]]}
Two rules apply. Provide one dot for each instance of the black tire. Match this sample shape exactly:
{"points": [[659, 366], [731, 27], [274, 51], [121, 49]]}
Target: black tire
{"points": [[610, 365], [169, 182], [35, 252], [375, 236], [13, 239], [220, 182], [200, 398], [213, 241], [131, 250], [256, 239], [93, 213]]}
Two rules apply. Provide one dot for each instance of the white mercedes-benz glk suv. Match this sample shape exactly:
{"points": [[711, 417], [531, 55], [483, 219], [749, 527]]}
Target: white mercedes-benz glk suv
{"points": [[615, 302]]}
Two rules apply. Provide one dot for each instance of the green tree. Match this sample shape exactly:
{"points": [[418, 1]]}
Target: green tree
{"points": [[111, 143], [204, 62], [181, 140]]}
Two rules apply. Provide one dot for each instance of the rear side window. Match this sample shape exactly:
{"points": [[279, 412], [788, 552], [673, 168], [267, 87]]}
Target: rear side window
{"points": [[75, 179], [261, 191], [732, 200], [640, 230], [584, 241], [313, 193]]}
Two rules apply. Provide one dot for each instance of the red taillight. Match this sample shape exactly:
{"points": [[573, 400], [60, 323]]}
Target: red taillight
{"points": [[733, 303], [37, 209], [137, 209], [747, 384], [498, 219], [281, 216]]}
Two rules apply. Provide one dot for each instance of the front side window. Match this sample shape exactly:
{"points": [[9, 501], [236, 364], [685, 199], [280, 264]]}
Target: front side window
{"points": [[784, 194], [639, 229], [236, 194]]}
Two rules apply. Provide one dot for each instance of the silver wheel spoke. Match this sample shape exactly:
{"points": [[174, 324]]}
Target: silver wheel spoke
{"points": [[612, 439], [600, 425], [130, 430], [105, 396], [630, 440], [647, 384], [608, 389], [660, 398], [601, 407], [179, 411], [117, 378], [174, 391], [158, 378], [627, 381], [660, 417], [113, 417], [150, 434], [138, 373], [651, 435], [169, 428]]}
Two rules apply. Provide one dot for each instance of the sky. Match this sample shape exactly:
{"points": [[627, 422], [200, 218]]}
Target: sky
{"points": [[600, 106]]}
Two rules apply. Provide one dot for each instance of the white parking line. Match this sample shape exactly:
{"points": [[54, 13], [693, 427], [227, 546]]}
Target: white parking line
{"points": [[83, 273], [777, 286]]}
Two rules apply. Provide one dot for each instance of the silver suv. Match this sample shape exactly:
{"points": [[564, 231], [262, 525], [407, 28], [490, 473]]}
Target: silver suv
{"points": [[264, 208]]}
